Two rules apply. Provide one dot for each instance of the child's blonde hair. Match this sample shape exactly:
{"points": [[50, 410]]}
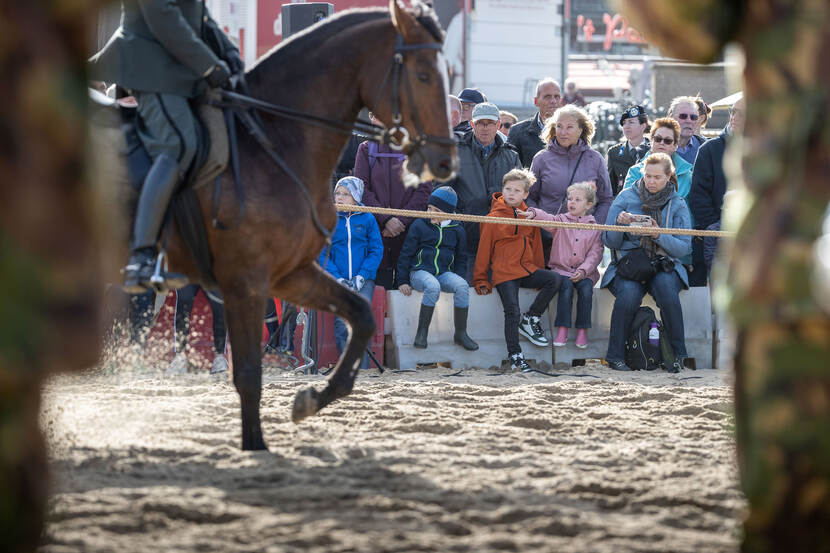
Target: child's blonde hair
{"points": [[524, 175], [588, 188]]}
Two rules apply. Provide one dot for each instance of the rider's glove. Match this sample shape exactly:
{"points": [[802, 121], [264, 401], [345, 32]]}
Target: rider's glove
{"points": [[359, 281], [345, 282], [218, 75]]}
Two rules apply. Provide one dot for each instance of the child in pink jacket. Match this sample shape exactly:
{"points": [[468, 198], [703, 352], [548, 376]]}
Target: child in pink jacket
{"points": [[576, 255]]}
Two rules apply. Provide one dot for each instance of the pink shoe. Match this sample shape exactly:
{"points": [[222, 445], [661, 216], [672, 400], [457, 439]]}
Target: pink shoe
{"points": [[582, 338], [561, 336]]}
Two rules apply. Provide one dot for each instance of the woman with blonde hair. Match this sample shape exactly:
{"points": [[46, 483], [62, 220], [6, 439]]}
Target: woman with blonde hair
{"points": [[651, 202], [568, 158]]}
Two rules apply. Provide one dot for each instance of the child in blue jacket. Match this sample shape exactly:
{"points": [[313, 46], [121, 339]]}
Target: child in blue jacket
{"points": [[434, 258], [355, 253]]}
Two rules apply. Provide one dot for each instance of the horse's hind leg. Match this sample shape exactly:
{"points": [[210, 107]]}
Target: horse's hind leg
{"points": [[244, 313], [313, 288]]}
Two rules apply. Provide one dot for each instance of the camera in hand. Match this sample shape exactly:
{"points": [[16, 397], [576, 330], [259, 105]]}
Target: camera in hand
{"points": [[640, 220]]}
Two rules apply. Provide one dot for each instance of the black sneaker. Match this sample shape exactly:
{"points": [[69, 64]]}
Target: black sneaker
{"points": [[530, 328], [677, 365], [619, 366], [517, 362]]}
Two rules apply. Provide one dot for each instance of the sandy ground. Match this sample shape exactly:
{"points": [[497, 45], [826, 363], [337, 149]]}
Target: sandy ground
{"points": [[409, 462]]}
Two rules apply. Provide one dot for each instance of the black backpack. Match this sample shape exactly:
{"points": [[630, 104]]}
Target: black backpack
{"points": [[640, 353]]}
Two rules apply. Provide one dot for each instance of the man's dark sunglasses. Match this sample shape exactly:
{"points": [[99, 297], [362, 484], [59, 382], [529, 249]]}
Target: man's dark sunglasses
{"points": [[692, 116], [668, 141], [506, 125]]}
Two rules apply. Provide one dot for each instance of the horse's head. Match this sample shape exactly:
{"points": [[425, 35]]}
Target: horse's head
{"points": [[412, 95]]}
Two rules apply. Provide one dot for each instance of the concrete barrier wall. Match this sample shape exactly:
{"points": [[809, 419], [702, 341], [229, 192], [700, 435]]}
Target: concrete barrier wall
{"points": [[486, 326]]}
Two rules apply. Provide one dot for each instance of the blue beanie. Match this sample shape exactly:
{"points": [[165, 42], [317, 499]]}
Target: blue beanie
{"points": [[354, 185], [444, 198]]}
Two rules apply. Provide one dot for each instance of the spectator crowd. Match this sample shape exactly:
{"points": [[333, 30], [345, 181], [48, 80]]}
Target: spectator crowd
{"points": [[662, 175]]}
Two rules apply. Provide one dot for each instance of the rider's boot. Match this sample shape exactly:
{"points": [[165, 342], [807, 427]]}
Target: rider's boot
{"points": [[159, 185]]}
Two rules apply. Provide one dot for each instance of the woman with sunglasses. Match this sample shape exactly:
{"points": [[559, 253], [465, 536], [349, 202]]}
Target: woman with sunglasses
{"points": [[665, 134]]}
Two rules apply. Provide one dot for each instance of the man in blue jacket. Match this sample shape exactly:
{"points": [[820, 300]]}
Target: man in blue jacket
{"points": [[165, 53], [355, 252], [709, 186]]}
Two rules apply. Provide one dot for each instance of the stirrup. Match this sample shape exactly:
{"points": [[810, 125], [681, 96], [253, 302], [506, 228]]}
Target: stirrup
{"points": [[163, 284]]}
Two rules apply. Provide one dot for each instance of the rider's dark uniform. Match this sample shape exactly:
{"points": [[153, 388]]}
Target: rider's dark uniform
{"points": [[160, 54], [621, 157]]}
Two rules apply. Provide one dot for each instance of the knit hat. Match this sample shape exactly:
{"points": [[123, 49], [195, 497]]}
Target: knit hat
{"points": [[444, 198], [354, 185]]}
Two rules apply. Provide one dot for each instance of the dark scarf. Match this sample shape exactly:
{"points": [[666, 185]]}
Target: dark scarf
{"points": [[653, 205]]}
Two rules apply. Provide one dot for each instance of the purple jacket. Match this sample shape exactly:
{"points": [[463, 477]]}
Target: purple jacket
{"points": [[553, 167], [383, 187]]}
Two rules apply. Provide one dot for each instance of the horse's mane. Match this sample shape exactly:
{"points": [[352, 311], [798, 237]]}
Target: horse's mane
{"points": [[310, 38]]}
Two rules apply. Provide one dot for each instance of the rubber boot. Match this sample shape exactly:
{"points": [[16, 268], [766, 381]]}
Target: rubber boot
{"points": [[424, 318], [460, 337], [159, 185]]}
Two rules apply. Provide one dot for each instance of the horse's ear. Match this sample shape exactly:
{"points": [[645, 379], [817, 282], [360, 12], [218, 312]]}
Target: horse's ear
{"points": [[402, 20]]}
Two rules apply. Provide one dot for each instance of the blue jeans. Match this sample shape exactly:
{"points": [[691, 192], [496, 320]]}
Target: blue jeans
{"points": [[432, 287], [341, 332], [564, 306], [665, 289]]}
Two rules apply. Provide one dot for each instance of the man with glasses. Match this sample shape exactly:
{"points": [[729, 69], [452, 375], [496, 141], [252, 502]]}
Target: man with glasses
{"points": [[524, 136], [485, 158], [684, 110], [709, 186], [623, 155]]}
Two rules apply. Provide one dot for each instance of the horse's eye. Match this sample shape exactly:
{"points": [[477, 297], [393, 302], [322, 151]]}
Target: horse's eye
{"points": [[423, 76]]}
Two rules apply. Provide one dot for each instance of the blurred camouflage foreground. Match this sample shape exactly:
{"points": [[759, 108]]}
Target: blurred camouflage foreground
{"points": [[48, 259], [782, 364]]}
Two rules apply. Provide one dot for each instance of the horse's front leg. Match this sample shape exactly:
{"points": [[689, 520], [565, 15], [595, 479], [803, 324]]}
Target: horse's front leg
{"points": [[244, 313], [314, 288]]}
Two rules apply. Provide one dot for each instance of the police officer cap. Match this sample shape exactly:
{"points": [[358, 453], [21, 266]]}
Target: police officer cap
{"points": [[633, 111]]}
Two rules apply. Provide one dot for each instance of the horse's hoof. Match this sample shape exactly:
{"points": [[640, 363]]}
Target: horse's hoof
{"points": [[305, 404]]}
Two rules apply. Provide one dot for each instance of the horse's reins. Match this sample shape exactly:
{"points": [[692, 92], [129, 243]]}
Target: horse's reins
{"points": [[397, 137]]}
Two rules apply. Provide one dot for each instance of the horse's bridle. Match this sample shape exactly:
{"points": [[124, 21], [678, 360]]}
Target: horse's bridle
{"points": [[397, 137]]}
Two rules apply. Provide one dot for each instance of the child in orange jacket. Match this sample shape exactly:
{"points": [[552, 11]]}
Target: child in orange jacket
{"points": [[513, 255]]}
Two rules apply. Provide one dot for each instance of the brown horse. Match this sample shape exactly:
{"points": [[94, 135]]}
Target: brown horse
{"points": [[331, 70]]}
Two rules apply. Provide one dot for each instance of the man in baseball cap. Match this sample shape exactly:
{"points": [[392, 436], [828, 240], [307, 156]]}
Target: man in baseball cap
{"points": [[630, 151], [485, 121], [485, 158]]}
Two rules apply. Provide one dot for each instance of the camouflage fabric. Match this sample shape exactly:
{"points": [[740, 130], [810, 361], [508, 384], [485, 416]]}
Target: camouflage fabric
{"points": [[48, 263], [782, 364]]}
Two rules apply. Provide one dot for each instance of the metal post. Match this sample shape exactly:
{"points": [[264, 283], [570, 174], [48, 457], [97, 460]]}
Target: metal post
{"points": [[303, 319]]}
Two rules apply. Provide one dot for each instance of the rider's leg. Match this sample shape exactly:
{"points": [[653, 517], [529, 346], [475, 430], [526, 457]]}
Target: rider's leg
{"points": [[168, 131]]}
